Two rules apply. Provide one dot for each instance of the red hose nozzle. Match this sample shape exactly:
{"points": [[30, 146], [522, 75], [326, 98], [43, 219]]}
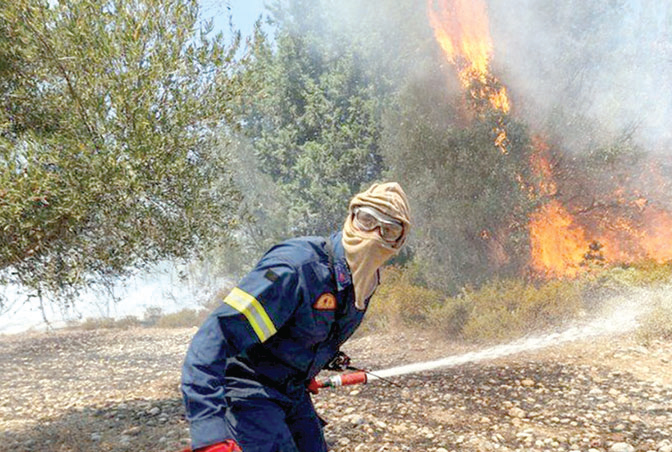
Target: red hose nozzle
{"points": [[353, 378]]}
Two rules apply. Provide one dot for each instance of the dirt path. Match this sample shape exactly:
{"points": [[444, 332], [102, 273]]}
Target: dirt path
{"points": [[115, 390]]}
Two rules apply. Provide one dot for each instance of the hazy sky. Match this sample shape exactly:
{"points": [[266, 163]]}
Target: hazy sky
{"points": [[243, 13]]}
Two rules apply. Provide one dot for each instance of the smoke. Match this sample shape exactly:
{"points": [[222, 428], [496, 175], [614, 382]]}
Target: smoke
{"points": [[601, 69]]}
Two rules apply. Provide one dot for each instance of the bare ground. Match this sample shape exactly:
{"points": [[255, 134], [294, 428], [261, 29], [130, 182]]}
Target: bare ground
{"points": [[117, 390]]}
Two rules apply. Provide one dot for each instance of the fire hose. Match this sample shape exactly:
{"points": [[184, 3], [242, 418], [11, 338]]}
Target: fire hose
{"points": [[619, 321], [352, 378]]}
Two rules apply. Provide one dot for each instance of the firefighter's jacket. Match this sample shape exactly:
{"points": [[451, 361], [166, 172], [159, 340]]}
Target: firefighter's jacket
{"points": [[272, 334]]}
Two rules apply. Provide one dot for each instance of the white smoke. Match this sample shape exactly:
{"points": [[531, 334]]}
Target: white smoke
{"points": [[607, 63]]}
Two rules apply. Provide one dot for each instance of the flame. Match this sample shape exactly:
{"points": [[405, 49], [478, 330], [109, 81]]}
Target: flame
{"points": [[558, 244], [562, 246], [461, 28], [561, 243], [656, 235]]}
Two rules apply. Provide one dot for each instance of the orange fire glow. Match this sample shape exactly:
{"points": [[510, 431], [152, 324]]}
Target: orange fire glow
{"points": [[462, 30], [558, 244], [562, 244], [657, 235]]}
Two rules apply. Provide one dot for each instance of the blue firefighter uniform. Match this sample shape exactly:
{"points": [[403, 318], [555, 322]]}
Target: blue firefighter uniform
{"points": [[247, 368]]}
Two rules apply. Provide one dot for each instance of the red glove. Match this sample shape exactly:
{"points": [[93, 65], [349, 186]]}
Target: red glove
{"points": [[228, 445], [314, 386]]}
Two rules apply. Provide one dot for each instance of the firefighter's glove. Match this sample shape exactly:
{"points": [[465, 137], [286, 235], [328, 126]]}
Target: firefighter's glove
{"points": [[314, 386], [339, 362], [228, 445]]}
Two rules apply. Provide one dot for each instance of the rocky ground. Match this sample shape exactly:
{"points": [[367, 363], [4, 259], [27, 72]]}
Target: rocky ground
{"points": [[117, 390]]}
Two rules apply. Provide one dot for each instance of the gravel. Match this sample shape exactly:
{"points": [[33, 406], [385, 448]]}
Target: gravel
{"points": [[117, 390]]}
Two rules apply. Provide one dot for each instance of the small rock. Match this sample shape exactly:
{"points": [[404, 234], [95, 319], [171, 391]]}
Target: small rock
{"points": [[516, 413], [664, 446], [154, 411], [619, 428], [527, 382], [621, 447], [357, 419], [131, 431]]}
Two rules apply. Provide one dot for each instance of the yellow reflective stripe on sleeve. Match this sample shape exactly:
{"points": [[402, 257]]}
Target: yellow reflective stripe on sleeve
{"points": [[255, 313]]}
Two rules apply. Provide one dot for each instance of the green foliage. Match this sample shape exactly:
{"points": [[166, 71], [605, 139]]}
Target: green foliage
{"points": [[312, 114], [109, 118], [313, 123], [471, 200]]}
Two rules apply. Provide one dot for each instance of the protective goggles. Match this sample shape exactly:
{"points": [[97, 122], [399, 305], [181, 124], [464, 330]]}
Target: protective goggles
{"points": [[367, 219]]}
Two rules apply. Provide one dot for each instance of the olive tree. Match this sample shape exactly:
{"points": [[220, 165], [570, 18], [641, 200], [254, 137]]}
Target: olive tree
{"points": [[110, 113]]}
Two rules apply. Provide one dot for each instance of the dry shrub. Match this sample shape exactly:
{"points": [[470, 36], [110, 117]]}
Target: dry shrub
{"points": [[450, 317], [643, 274], [499, 310], [127, 322], [657, 323], [508, 309], [182, 319], [187, 318], [398, 302]]}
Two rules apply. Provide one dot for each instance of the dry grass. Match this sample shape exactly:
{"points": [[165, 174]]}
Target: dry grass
{"points": [[508, 309], [499, 310]]}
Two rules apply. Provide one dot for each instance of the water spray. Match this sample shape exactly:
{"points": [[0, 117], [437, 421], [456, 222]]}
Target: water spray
{"points": [[622, 320]]}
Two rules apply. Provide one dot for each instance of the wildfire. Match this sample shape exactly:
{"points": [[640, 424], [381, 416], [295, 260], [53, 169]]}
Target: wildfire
{"points": [[462, 30], [657, 235], [561, 243], [558, 244]]}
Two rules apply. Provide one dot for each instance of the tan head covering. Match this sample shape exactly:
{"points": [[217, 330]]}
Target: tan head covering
{"points": [[365, 251]]}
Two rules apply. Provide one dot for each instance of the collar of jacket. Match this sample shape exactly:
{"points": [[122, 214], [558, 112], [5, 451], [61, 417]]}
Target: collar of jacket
{"points": [[341, 269]]}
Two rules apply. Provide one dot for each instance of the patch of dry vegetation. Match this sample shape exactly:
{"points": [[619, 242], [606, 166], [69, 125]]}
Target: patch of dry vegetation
{"points": [[509, 309], [497, 311]]}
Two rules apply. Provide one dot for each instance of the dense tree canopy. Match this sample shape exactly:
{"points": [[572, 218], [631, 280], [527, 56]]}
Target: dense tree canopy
{"points": [[109, 115], [129, 135], [314, 120], [471, 200]]}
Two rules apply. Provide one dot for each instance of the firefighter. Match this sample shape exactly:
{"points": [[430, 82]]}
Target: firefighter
{"points": [[247, 372]]}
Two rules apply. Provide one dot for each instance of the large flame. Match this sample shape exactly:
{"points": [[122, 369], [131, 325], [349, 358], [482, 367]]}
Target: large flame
{"points": [[561, 243], [462, 30], [558, 244]]}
